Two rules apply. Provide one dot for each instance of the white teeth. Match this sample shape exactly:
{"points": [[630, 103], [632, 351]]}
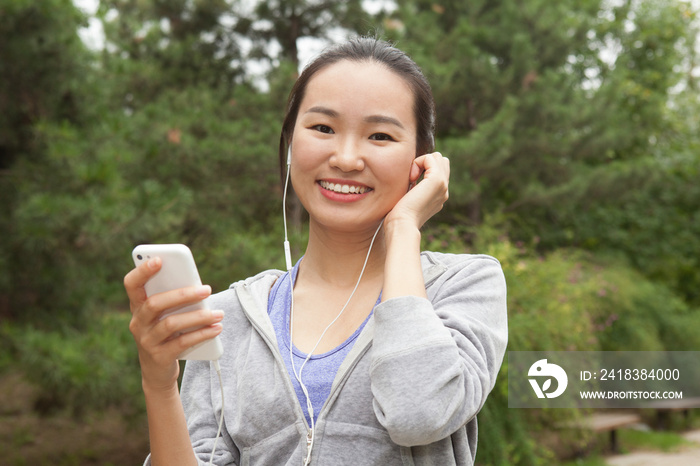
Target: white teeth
{"points": [[343, 188]]}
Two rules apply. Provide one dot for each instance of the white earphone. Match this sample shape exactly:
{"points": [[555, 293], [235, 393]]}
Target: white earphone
{"points": [[287, 250]]}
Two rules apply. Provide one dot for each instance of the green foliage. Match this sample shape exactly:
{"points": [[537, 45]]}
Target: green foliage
{"points": [[568, 300], [42, 65], [41, 61], [155, 45], [567, 117], [646, 210], [592, 304], [281, 23], [188, 167], [573, 301], [514, 436], [80, 371]]}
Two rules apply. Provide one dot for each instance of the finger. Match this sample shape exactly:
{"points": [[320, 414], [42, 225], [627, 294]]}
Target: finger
{"points": [[437, 169], [187, 340], [155, 305], [434, 164], [446, 166], [177, 324], [420, 166], [137, 278], [440, 163], [444, 163]]}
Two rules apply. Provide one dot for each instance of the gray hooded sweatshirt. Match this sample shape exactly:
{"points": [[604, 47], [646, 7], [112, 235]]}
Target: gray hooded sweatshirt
{"points": [[407, 393]]}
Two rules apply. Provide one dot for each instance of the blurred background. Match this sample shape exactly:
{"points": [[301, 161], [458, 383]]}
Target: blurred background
{"points": [[573, 129]]}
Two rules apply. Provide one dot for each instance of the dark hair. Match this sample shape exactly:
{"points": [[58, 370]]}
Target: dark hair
{"points": [[367, 49]]}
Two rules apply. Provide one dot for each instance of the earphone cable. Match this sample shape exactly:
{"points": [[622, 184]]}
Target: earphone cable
{"points": [[288, 260], [298, 375], [221, 418]]}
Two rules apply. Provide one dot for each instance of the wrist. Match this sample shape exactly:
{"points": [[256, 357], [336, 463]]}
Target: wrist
{"points": [[160, 391], [402, 231], [403, 275]]}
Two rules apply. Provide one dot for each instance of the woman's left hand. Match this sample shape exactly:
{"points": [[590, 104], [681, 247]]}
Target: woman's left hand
{"points": [[426, 198]]}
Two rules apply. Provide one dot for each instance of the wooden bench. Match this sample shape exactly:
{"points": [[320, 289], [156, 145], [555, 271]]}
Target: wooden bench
{"points": [[664, 408], [605, 422]]}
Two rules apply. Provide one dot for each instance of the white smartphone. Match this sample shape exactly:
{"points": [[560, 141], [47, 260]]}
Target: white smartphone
{"points": [[178, 271]]}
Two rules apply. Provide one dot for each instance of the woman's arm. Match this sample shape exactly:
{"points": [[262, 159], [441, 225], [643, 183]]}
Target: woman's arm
{"points": [[159, 343], [435, 358], [167, 429], [402, 270]]}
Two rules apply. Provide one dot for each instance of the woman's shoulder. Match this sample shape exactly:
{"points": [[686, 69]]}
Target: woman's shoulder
{"points": [[259, 284], [260, 279], [461, 271], [433, 259]]}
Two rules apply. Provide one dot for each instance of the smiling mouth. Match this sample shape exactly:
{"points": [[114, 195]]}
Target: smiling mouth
{"points": [[344, 188]]}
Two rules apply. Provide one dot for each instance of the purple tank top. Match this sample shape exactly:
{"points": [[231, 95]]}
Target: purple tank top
{"points": [[321, 369]]}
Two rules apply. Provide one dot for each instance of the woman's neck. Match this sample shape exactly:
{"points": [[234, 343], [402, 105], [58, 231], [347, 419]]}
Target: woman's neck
{"points": [[337, 257]]}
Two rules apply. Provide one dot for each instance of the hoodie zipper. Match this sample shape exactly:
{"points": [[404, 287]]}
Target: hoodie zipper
{"points": [[309, 444]]}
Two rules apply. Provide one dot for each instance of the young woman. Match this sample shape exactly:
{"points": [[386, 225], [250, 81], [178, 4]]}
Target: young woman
{"points": [[368, 352]]}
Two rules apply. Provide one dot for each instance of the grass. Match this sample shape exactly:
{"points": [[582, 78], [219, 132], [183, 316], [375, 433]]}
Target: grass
{"points": [[591, 461], [630, 440], [100, 438], [22, 436], [650, 440]]}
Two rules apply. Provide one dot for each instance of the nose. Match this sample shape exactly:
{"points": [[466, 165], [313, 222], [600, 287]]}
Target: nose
{"points": [[347, 157]]}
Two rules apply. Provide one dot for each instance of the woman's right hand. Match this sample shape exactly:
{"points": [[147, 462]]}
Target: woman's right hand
{"points": [[159, 341]]}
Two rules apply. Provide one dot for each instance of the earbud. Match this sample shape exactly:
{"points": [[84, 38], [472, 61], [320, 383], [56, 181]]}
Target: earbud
{"points": [[289, 156]]}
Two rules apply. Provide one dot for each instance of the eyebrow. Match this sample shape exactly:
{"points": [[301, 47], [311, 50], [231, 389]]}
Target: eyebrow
{"points": [[383, 119], [369, 119], [324, 111]]}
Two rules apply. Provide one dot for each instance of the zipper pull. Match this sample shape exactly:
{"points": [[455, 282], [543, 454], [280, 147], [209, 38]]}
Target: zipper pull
{"points": [[309, 446]]}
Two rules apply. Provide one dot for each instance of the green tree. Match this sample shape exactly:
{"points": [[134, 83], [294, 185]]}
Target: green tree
{"points": [[642, 200], [284, 22], [159, 155], [185, 167], [43, 73], [41, 63], [157, 45], [526, 99], [537, 99]]}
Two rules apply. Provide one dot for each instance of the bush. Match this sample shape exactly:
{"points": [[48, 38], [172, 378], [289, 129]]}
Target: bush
{"points": [[568, 300], [79, 371]]}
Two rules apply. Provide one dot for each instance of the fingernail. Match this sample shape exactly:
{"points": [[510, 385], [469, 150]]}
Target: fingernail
{"points": [[204, 291], [217, 314], [153, 263]]}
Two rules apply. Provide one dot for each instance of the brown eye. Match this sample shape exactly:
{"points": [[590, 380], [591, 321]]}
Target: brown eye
{"points": [[381, 137], [323, 129]]}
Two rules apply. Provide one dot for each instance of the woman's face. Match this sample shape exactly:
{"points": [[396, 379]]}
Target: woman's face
{"points": [[353, 144]]}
